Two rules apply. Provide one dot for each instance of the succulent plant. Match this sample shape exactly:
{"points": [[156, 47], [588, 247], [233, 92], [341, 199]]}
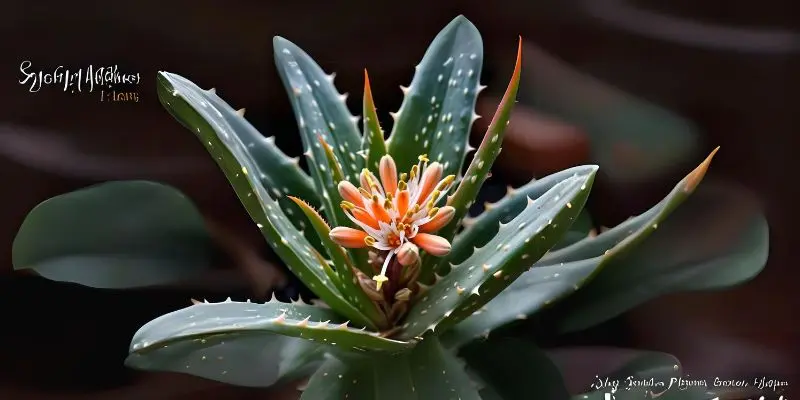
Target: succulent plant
{"points": [[378, 228]]}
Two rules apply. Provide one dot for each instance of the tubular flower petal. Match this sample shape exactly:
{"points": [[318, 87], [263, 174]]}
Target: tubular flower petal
{"points": [[393, 210], [440, 218], [436, 245], [349, 237], [350, 193]]}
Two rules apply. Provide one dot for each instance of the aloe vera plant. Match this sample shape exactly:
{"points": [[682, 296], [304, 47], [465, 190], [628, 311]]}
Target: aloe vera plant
{"points": [[378, 229]]}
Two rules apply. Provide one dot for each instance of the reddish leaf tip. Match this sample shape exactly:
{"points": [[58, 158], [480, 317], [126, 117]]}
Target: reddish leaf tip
{"points": [[694, 177]]}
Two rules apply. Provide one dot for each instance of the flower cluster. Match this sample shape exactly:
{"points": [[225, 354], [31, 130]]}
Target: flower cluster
{"points": [[397, 215]]}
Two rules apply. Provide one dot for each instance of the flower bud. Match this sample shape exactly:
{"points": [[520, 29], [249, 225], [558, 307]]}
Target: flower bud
{"points": [[369, 287], [408, 254]]}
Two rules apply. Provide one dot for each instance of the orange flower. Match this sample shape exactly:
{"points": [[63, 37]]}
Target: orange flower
{"points": [[396, 211]]}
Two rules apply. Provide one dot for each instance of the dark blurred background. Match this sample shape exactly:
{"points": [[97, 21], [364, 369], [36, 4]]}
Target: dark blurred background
{"points": [[727, 71]]}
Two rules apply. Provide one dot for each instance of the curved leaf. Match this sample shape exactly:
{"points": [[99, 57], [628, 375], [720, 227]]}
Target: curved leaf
{"points": [[481, 229], [480, 166], [189, 337], [321, 112], [115, 235], [209, 117], [244, 360], [426, 372], [717, 240], [579, 230], [563, 272], [438, 109], [491, 268], [243, 172]]}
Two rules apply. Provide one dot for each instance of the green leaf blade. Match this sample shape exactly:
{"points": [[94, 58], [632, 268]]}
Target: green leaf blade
{"points": [[676, 257], [438, 109], [321, 112], [115, 235], [491, 268], [563, 272], [278, 173], [642, 245], [337, 379], [229, 320], [533, 291], [483, 227], [243, 173], [426, 372], [485, 156], [233, 360], [513, 368]]}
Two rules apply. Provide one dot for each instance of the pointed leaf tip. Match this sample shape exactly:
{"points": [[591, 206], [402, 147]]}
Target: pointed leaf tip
{"points": [[368, 91], [695, 177], [487, 152]]}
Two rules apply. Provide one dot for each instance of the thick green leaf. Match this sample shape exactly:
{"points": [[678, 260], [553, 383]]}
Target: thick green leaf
{"points": [[491, 268], [243, 360], [373, 144], [189, 337], [438, 109], [536, 289], [717, 240], [561, 273], [625, 373], [426, 372], [580, 229], [513, 368], [321, 112], [115, 235], [479, 169], [244, 174], [630, 138], [480, 230], [209, 118]]}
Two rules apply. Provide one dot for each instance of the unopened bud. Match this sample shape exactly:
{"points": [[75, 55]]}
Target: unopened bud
{"points": [[398, 310], [403, 294], [369, 287], [408, 254]]}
